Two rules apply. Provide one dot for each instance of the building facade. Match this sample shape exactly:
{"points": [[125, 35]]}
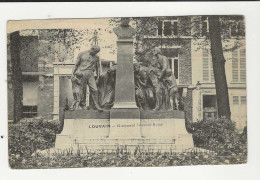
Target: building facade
{"points": [[185, 42], [47, 66]]}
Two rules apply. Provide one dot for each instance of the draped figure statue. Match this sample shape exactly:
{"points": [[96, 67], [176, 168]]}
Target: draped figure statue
{"points": [[106, 88]]}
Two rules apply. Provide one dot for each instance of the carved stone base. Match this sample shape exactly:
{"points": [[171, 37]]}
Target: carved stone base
{"points": [[150, 132], [109, 145], [178, 144]]}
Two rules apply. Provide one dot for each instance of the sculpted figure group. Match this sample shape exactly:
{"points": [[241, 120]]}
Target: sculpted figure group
{"points": [[155, 84], [87, 73]]}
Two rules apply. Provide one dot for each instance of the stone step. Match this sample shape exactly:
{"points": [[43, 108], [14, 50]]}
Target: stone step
{"points": [[109, 141], [129, 147]]}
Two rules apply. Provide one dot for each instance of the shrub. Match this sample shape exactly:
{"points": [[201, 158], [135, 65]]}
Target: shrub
{"points": [[122, 159], [219, 135], [29, 135]]}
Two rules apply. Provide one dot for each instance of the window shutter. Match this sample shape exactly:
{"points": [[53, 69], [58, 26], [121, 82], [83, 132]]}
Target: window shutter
{"points": [[235, 100], [211, 71], [160, 28], [170, 63], [205, 65], [235, 66], [242, 65], [243, 99], [208, 73], [175, 28], [167, 28], [176, 69]]}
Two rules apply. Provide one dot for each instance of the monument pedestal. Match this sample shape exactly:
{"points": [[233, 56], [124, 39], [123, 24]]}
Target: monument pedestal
{"points": [[155, 131], [125, 123]]}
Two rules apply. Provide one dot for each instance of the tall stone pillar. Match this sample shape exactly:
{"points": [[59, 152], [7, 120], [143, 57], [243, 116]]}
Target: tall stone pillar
{"points": [[125, 87], [125, 115]]}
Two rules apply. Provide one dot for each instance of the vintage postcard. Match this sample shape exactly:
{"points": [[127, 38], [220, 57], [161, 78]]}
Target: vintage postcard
{"points": [[127, 92]]}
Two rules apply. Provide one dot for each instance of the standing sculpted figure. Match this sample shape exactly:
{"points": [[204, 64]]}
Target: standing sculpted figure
{"points": [[87, 63], [155, 74], [170, 82], [163, 63], [76, 80]]}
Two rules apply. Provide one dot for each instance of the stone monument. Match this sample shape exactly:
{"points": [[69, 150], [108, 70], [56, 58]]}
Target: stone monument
{"points": [[124, 112], [125, 124]]}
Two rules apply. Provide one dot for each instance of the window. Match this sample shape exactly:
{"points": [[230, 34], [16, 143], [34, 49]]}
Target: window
{"points": [[30, 96], [167, 31], [209, 106], [29, 111], [235, 100], [172, 55], [243, 99], [160, 28], [174, 65], [175, 28], [239, 65], [168, 27], [239, 100], [204, 30], [176, 68], [208, 75], [170, 63]]}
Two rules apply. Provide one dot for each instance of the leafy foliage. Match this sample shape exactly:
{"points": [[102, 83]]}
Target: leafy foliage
{"points": [[232, 31], [28, 135], [219, 135], [122, 158]]}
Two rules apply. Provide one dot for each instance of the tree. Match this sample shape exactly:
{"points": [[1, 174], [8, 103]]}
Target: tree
{"points": [[219, 67], [221, 29], [16, 78]]}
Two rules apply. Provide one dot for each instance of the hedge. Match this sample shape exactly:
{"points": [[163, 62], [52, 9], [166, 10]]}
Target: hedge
{"points": [[219, 135], [29, 135]]}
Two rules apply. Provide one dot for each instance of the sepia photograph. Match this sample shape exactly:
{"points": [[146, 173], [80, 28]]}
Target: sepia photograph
{"points": [[150, 91]]}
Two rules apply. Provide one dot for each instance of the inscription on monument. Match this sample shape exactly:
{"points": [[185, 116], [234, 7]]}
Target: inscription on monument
{"points": [[124, 125]]}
